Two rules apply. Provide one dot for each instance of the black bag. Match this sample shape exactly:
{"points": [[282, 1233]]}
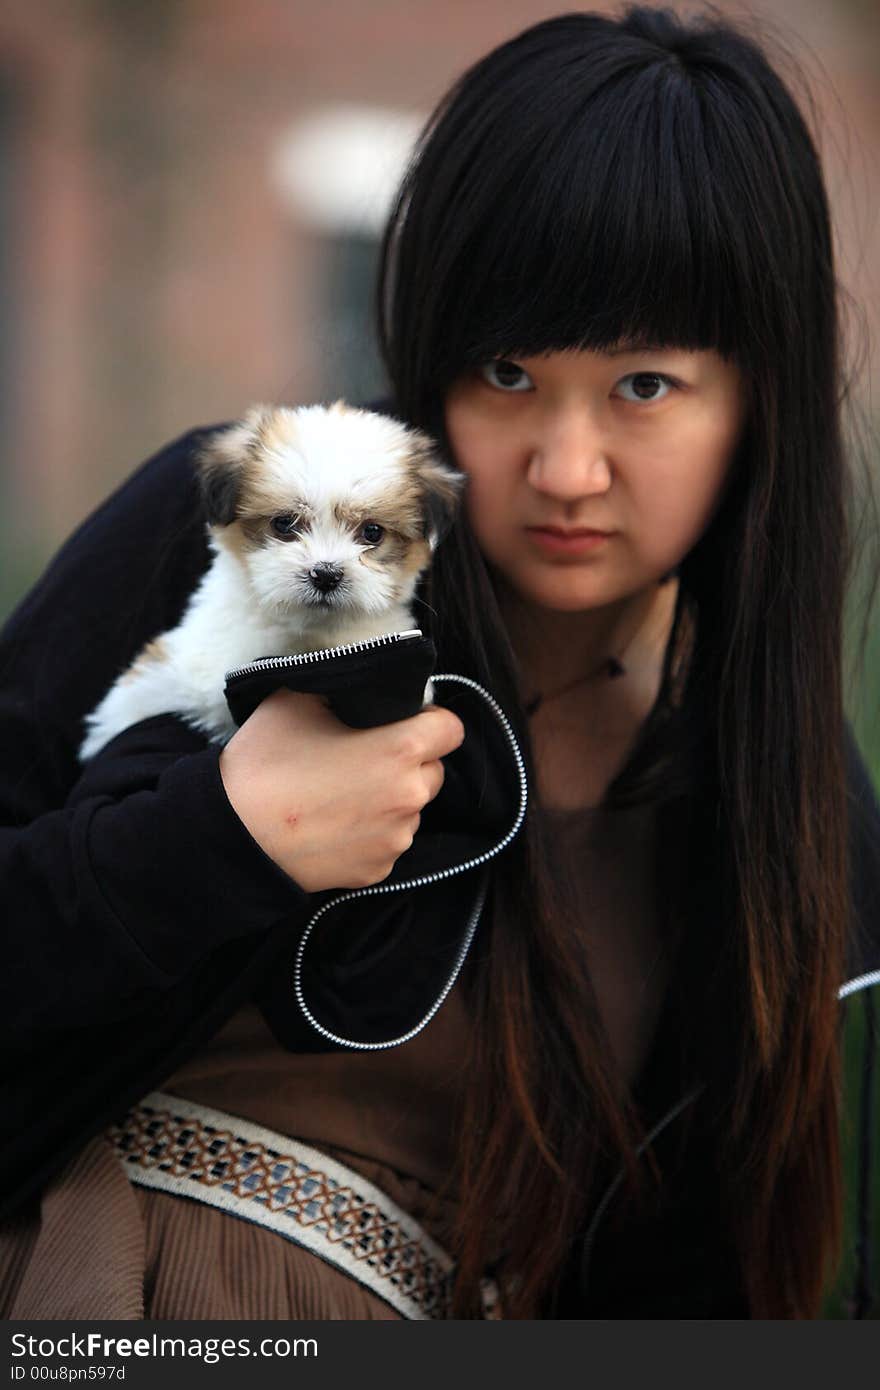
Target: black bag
{"points": [[366, 683]]}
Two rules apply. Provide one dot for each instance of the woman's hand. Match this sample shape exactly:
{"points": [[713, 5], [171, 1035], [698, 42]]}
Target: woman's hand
{"points": [[334, 807]]}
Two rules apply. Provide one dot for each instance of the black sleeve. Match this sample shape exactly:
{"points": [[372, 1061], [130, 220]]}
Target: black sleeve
{"points": [[115, 878]]}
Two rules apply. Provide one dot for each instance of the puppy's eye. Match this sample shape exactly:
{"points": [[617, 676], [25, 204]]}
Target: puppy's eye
{"points": [[372, 532], [286, 525]]}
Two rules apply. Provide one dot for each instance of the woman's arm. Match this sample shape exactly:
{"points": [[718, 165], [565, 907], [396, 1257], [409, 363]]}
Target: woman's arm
{"points": [[112, 898], [116, 878]]}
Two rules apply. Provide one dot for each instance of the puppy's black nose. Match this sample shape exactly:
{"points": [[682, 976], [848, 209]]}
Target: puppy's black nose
{"points": [[325, 577]]}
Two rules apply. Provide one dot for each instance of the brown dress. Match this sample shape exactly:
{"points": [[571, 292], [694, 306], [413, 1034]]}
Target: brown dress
{"points": [[94, 1246]]}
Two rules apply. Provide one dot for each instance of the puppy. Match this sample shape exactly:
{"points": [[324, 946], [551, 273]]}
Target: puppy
{"points": [[321, 521]]}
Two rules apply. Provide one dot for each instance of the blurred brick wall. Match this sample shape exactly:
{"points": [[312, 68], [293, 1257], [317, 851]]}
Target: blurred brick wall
{"points": [[154, 278]]}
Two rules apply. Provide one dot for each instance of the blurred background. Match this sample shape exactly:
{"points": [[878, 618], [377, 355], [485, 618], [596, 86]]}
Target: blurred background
{"points": [[191, 194]]}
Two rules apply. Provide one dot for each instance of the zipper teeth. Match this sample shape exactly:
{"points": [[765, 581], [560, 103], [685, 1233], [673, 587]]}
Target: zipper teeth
{"points": [[860, 982], [375, 889], [273, 663]]}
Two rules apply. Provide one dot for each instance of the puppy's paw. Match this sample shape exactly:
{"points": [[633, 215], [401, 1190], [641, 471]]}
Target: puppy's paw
{"points": [[428, 697]]}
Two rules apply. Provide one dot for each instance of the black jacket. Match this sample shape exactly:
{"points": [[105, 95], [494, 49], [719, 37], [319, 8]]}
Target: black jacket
{"points": [[140, 913]]}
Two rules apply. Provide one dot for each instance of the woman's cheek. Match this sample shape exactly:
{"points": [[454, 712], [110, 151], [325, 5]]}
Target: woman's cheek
{"points": [[479, 504], [489, 515]]}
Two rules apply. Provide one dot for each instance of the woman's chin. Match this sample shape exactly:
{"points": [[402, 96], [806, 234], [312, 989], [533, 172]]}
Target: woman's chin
{"points": [[555, 600], [565, 591]]}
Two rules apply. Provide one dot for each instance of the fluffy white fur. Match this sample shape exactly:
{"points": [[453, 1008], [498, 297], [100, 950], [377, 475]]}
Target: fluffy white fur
{"points": [[335, 469]]}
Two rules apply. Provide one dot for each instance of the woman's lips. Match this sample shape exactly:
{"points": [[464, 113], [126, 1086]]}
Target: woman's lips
{"points": [[559, 541]]}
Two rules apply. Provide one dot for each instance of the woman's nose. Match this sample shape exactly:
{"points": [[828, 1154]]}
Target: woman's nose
{"points": [[568, 458]]}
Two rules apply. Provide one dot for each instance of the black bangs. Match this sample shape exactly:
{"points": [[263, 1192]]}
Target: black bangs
{"points": [[627, 253], [637, 256], [593, 186]]}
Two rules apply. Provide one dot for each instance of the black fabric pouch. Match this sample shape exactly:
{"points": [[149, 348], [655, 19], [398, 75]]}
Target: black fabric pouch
{"points": [[366, 683], [380, 957]]}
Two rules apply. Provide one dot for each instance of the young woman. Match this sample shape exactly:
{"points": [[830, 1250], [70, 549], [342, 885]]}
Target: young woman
{"points": [[608, 289]]}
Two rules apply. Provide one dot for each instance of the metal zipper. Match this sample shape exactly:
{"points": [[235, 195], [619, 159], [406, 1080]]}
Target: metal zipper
{"points": [[275, 663], [420, 882], [860, 982]]}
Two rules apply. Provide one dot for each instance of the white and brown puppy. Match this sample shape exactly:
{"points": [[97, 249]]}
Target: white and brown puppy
{"points": [[321, 520]]}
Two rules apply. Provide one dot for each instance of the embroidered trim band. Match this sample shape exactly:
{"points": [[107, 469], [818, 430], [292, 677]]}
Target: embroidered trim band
{"points": [[206, 1155]]}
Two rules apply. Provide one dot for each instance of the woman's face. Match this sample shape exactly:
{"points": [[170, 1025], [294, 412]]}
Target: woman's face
{"points": [[636, 444]]}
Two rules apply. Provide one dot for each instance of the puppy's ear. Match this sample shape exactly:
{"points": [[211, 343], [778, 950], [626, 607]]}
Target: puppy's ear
{"points": [[220, 465], [441, 486]]}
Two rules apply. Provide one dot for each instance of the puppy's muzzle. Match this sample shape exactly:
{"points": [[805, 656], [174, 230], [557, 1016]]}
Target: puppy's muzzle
{"points": [[325, 578]]}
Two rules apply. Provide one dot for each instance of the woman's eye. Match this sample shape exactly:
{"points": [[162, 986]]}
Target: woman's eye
{"points": [[285, 525], [372, 532], [505, 375], [644, 386]]}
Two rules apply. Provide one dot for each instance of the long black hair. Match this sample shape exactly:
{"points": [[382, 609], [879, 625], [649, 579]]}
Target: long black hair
{"points": [[650, 179]]}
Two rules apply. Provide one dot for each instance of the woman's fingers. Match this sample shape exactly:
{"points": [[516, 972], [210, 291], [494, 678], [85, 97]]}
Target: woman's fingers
{"points": [[334, 807]]}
